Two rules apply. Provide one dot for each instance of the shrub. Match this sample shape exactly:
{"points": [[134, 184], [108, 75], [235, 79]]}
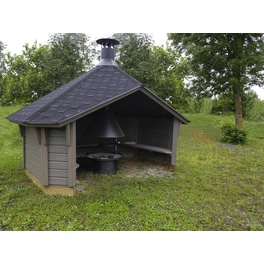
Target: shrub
{"points": [[233, 135]]}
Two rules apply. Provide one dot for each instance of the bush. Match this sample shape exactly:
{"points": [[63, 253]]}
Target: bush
{"points": [[233, 135]]}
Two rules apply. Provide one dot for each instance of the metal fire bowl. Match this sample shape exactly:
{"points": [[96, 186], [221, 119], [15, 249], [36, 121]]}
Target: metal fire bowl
{"points": [[104, 162], [104, 156]]}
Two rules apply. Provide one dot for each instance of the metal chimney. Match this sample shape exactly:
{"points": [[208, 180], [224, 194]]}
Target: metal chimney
{"points": [[107, 51]]}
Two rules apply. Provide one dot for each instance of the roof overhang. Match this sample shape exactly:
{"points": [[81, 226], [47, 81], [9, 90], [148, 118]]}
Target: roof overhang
{"points": [[143, 89]]}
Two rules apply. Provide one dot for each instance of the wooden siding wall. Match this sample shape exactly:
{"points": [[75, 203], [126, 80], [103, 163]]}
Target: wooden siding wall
{"points": [[155, 132], [130, 128], [32, 158], [149, 131], [58, 157]]}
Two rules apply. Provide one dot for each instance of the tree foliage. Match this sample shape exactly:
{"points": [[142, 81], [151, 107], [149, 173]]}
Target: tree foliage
{"points": [[2, 64], [223, 64], [160, 70], [72, 54], [2, 54], [27, 75], [166, 76], [42, 68], [133, 54], [224, 103]]}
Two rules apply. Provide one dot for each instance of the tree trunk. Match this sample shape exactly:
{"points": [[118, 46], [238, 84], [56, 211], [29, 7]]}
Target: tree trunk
{"points": [[238, 110]]}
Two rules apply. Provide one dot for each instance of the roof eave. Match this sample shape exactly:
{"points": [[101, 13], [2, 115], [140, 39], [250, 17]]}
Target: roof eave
{"points": [[141, 88]]}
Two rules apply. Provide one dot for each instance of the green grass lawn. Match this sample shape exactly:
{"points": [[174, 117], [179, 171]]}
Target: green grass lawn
{"points": [[215, 187]]}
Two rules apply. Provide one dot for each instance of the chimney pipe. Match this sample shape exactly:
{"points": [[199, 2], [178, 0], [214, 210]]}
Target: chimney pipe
{"points": [[107, 51]]}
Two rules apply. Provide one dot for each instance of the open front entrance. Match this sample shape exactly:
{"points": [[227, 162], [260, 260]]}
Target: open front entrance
{"points": [[148, 129]]}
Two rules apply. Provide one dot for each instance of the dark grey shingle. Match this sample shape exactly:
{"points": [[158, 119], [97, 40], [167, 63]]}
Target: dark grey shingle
{"points": [[91, 90], [78, 96]]}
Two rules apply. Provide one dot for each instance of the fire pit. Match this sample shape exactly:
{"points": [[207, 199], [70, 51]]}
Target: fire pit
{"points": [[105, 162]]}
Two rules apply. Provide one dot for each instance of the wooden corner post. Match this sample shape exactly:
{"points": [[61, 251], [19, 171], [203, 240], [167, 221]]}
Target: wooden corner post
{"points": [[71, 142], [175, 134], [44, 156]]}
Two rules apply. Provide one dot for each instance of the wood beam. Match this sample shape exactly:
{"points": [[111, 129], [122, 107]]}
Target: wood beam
{"points": [[44, 157], [175, 135], [68, 134], [22, 130], [38, 131], [71, 138]]}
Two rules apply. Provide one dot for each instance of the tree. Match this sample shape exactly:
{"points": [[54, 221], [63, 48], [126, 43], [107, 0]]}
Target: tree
{"points": [[42, 68], [72, 54], [167, 70], [2, 64], [27, 74], [133, 55], [223, 64], [159, 69]]}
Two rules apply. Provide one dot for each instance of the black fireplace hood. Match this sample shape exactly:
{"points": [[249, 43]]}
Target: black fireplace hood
{"points": [[104, 125]]}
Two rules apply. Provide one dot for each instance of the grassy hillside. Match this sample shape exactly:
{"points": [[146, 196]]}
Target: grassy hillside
{"points": [[215, 187]]}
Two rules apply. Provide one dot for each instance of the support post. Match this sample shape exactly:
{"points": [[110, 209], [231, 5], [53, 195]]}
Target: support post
{"points": [[175, 134], [44, 157], [22, 130], [71, 142]]}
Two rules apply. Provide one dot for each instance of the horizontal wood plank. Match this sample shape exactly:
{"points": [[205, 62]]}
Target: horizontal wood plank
{"points": [[32, 142], [58, 173], [58, 149], [58, 157], [58, 181], [59, 141], [31, 157], [33, 170], [58, 165], [33, 150]]}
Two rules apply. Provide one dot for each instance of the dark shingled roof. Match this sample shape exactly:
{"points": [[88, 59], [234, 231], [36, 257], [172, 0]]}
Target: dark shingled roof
{"points": [[100, 85]]}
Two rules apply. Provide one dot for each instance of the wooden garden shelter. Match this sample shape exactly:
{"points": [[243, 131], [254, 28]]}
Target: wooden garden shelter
{"points": [[54, 128]]}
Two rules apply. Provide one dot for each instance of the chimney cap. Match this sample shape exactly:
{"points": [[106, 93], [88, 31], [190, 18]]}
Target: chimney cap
{"points": [[107, 42]]}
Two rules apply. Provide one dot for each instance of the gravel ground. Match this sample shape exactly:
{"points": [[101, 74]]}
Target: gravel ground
{"points": [[129, 167]]}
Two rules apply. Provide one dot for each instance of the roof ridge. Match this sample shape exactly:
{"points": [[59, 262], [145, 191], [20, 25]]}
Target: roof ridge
{"points": [[85, 76]]}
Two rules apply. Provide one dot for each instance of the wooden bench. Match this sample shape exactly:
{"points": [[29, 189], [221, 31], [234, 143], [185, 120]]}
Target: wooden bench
{"points": [[149, 148]]}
